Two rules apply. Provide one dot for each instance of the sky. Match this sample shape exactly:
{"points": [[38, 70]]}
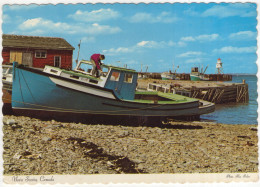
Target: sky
{"points": [[160, 36]]}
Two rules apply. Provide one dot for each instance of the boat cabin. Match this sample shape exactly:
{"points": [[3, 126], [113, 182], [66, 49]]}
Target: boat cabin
{"points": [[123, 81], [194, 69]]}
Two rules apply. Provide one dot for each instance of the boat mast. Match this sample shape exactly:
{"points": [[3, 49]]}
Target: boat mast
{"points": [[78, 52], [146, 69], [173, 66], [205, 69]]}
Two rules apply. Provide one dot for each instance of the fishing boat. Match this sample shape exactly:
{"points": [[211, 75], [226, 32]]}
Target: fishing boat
{"points": [[168, 76], [197, 75], [58, 92], [7, 80]]}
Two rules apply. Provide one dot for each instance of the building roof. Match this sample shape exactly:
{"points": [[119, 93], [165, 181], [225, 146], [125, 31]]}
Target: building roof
{"points": [[35, 42]]}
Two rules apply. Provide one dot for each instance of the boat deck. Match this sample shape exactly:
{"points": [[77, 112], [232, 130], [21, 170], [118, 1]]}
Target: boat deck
{"points": [[160, 98]]}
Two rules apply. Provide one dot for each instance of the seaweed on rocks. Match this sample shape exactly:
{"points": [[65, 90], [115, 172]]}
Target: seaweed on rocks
{"points": [[120, 164]]}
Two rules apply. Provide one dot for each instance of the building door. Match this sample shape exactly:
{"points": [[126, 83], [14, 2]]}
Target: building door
{"points": [[27, 59], [57, 61], [16, 56]]}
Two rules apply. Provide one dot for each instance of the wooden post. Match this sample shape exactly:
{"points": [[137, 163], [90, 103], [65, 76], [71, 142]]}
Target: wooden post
{"points": [[220, 96]]}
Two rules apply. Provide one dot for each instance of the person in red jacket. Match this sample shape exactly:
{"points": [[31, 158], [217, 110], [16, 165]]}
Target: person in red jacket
{"points": [[96, 60]]}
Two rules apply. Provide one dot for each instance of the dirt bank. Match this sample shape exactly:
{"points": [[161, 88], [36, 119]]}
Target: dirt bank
{"points": [[36, 147]]}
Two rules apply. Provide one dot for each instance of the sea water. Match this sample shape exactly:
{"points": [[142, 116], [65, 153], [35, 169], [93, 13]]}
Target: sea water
{"points": [[237, 113]]}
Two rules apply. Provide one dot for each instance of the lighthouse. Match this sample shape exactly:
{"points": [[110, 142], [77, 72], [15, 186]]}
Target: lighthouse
{"points": [[219, 68]]}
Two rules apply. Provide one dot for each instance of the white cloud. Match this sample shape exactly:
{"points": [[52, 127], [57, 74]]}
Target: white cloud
{"points": [[191, 54], [20, 7], [95, 15], [201, 38], [36, 32], [181, 44], [191, 12], [114, 51], [231, 49], [234, 9], [6, 18], [59, 27], [141, 17], [195, 60], [141, 45], [243, 35], [163, 17], [188, 39], [101, 29], [31, 23], [89, 39], [206, 37], [154, 44]]}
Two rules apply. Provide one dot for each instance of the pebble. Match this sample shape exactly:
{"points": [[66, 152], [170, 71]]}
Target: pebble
{"points": [[99, 148], [138, 161], [46, 139], [10, 121]]}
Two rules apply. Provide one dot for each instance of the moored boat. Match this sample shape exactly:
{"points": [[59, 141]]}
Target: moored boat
{"points": [[58, 92], [168, 76], [7, 80], [196, 75]]}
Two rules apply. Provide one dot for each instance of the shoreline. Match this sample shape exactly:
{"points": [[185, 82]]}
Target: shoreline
{"points": [[35, 147]]}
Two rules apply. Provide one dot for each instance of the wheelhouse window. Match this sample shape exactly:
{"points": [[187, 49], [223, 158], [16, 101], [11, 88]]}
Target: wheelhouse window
{"points": [[57, 61], [105, 71], [40, 54], [85, 67], [128, 78], [115, 76]]}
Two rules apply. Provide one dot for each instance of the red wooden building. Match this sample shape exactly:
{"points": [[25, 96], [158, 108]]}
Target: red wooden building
{"points": [[36, 51]]}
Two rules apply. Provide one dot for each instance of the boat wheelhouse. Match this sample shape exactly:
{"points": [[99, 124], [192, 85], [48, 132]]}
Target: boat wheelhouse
{"points": [[123, 81]]}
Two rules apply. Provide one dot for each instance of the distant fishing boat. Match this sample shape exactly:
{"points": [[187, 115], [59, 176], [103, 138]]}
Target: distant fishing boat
{"points": [[197, 75], [57, 92], [168, 76]]}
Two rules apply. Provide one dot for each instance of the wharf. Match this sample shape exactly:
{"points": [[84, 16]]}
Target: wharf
{"points": [[186, 76], [216, 92]]}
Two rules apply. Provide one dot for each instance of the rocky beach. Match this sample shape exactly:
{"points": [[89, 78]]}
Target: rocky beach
{"points": [[36, 147]]}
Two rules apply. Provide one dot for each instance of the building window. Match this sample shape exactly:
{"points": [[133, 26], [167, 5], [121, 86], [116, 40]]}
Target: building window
{"points": [[40, 54], [57, 60], [128, 78]]}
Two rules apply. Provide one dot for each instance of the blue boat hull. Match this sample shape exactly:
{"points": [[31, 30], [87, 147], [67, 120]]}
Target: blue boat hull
{"points": [[35, 93]]}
